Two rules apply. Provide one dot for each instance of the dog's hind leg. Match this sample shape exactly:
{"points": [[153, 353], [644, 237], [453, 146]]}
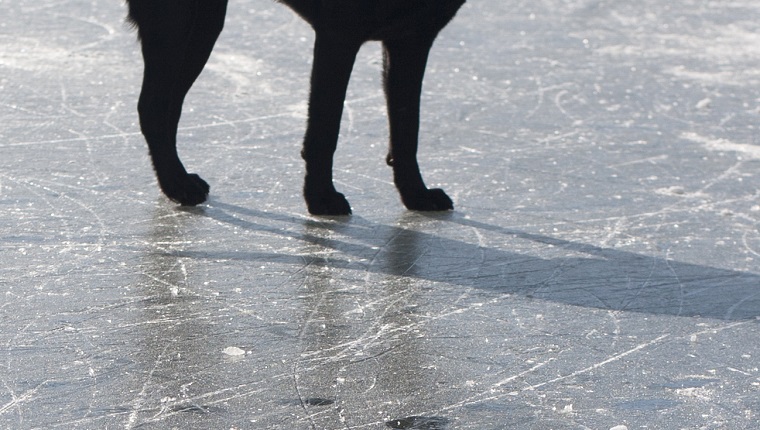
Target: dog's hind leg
{"points": [[177, 38], [404, 69], [333, 62]]}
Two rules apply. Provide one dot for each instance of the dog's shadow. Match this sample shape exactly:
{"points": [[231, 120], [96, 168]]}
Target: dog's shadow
{"points": [[566, 272]]}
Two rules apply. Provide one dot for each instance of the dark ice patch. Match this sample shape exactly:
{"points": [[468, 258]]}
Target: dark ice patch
{"points": [[318, 401], [418, 423], [647, 405]]}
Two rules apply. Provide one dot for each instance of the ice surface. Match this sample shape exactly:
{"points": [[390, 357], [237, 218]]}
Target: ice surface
{"points": [[601, 270]]}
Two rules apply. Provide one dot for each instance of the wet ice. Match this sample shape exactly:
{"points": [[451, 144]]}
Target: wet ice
{"points": [[601, 269]]}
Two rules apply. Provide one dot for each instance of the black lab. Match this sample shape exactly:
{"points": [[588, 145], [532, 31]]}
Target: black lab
{"points": [[177, 38]]}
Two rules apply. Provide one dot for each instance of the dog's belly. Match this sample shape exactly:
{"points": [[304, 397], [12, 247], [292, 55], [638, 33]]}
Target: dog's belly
{"points": [[377, 19]]}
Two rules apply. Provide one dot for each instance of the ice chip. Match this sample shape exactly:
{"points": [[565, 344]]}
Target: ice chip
{"points": [[233, 351]]}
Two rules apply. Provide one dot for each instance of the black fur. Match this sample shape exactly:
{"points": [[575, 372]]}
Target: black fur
{"points": [[177, 38]]}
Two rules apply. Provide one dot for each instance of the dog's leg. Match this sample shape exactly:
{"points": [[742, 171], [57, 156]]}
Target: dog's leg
{"points": [[404, 69], [177, 38], [333, 61]]}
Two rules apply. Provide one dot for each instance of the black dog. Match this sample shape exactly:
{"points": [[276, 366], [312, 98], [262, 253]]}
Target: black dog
{"points": [[177, 38]]}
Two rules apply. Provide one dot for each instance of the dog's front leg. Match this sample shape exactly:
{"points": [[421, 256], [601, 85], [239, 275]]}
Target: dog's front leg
{"points": [[333, 60], [404, 69]]}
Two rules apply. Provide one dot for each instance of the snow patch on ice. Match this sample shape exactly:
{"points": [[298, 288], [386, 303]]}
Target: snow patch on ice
{"points": [[33, 55], [679, 191], [719, 54], [717, 144], [700, 393], [242, 71]]}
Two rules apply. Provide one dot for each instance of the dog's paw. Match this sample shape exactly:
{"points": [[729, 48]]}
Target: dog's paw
{"points": [[428, 200], [188, 189], [330, 204]]}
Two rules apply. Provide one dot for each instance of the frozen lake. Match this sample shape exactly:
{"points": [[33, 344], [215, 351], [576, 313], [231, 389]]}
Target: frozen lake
{"points": [[601, 269]]}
